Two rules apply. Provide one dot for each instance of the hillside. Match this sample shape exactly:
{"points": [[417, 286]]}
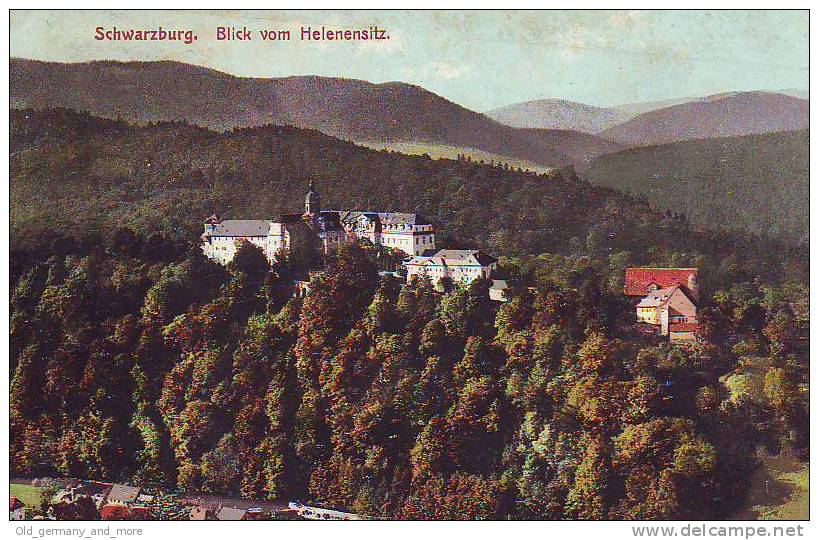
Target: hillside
{"points": [[580, 147], [438, 151], [722, 115], [138, 361], [757, 182], [633, 109], [349, 109], [83, 177], [558, 114], [168, 177]]}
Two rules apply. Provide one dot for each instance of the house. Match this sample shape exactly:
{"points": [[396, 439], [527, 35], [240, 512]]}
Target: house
{"points": [[98, 491], [202, 513], [460, 265], [122, 494], [409, 233], [499, 290], [17, 510], [641, 281], [118, 512], [227, 513], [667, 296], [140, 513], [316, 228], [685, 332], [666, 306], [321, 514]]}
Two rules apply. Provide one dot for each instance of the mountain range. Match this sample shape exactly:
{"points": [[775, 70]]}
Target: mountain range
{"points": [[350, 109], [614, 146], [723, 115], [641, 124], [549, 133]]}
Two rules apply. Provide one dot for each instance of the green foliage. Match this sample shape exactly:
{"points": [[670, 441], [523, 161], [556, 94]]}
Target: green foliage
{"points": [[163, 368], [757, 183]]}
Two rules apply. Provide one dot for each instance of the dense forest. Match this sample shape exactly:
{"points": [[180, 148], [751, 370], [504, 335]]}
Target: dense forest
{"points": [[134, 358], [755, 183]]}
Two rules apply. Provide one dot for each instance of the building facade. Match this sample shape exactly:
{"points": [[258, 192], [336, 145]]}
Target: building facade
{"points": [[409, 233], [668, 299], [460, 265]]}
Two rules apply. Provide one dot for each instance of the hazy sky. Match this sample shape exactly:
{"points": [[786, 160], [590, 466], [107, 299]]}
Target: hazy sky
{"points": [[481, 60]]}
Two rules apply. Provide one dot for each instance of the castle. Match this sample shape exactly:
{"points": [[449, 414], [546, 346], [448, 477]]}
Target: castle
{"points": [[324, 230], [409, 233]]}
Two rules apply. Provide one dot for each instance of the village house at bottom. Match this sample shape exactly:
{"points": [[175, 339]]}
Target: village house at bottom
{"points": [[668, 299]]}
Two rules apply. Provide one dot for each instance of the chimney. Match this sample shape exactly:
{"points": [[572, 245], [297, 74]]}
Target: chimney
{"points": [[693, 285]]}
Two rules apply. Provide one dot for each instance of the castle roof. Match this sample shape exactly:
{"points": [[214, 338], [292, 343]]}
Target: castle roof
{"points": [[240, 227], [385, 218], [639, 281], [454, 257]]}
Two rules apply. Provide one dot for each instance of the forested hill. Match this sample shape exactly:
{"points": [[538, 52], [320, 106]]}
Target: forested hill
{"points": [[757, 183], [134, 361], [351, 109], [80, 176]]}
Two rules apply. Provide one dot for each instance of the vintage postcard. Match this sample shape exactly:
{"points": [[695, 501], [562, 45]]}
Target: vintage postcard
{"points": [[409, 265]]}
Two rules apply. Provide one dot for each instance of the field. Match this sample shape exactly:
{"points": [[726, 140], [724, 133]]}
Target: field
{"points": [[437, 151], [779, 490], [30, 495]]}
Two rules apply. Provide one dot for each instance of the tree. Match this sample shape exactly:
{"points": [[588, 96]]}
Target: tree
{"points": [[251, 261], [82, 509], [782, 390]]}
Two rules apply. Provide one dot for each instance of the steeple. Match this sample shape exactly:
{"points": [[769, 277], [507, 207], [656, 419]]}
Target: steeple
{"points": [[312, 201]]}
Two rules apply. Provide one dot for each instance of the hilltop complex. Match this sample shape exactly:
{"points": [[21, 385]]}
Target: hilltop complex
{"points": [[410, 234]]}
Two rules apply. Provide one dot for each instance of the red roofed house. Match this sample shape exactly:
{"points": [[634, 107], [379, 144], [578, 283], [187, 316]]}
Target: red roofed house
{"points": [[668, 299]]}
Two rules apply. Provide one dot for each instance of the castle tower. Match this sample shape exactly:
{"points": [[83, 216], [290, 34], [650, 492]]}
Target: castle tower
{"points": [[312, 201]]}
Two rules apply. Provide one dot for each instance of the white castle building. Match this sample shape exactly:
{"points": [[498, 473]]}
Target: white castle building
{"points": [[409, 233], [459, 265]]}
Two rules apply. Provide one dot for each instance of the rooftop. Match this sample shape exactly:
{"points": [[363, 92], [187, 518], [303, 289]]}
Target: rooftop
{"points": [[454, 257], [227, 513], [386, 218], [683, 327], [240, 227], [121, 492], [658, 298], [640, 280]]}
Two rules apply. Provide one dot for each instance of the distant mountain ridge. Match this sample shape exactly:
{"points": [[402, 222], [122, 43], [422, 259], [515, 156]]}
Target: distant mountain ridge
{"points": [[638, 124], [350, 109], [722, 115], [558, 114]]}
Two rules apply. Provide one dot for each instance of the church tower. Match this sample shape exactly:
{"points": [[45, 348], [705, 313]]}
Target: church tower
{"points": [[312, 201]]}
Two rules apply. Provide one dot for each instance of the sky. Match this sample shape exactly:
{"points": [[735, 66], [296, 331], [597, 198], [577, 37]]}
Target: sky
{"points": [[481, 60]]}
